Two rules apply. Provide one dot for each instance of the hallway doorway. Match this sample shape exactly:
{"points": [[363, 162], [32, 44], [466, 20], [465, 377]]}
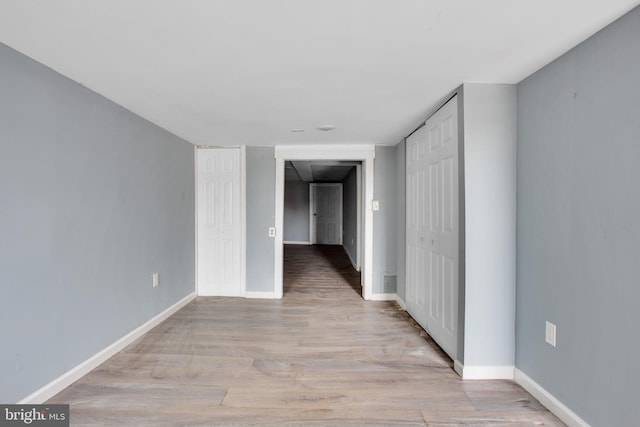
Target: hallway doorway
{"points": [[364, 154], [319, 270]]}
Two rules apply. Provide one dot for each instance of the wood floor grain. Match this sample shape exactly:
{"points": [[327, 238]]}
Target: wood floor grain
{"points": [[321, 356]]}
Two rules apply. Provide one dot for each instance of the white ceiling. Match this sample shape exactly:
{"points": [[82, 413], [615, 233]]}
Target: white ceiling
{"points": [[231, 72]]}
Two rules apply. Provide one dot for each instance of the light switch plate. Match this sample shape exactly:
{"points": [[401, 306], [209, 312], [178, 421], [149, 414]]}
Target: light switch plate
{"points": [[375, 205]]}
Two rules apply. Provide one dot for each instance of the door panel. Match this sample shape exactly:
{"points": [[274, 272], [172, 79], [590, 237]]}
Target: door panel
{"points": [[432, 226], [219, 222], [326, 213]]}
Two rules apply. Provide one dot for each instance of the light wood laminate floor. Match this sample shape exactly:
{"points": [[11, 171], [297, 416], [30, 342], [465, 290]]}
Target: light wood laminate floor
{"points": [[321, 356]]}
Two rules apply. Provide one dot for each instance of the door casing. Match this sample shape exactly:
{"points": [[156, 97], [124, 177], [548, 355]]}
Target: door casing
{"points": [[363, 153]]}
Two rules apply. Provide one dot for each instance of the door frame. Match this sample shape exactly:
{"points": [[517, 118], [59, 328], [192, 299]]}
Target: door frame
{"points": [[243, 212], [312, 205], [364, 153]]}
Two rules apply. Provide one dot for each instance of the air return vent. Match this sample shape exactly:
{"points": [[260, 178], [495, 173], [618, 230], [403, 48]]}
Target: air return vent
{"points": [[390, 283]]}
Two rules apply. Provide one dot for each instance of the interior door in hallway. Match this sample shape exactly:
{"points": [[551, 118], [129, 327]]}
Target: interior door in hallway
{"points": [[432, 227], [219, 222], [326, 213]]}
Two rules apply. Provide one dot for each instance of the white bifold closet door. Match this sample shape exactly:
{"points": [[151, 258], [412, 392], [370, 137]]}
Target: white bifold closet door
{"points": [[432, 227], [219, 222]]}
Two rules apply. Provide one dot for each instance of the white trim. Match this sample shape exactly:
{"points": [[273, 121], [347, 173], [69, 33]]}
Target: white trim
{"points": [[401, 303], [325, 152], [549, 401], [484, 372], [258, 295], [279, 224], [74, 374], [363, 153], [243, 219], [353, 263], [458, 367], [295, 242], [359, 217], [367, 288], [195, 212], [383, 297]]}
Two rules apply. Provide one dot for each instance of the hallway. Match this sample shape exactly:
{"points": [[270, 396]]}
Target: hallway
{"points": [[320, 356], [319, 269]]}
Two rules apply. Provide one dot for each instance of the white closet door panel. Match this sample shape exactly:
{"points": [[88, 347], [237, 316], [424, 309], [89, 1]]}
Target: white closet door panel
{"points": [[219, 222], [432, 226]]}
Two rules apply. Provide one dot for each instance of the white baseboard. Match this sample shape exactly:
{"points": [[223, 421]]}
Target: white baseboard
{"points": [[65, 380], [259, 295], [354, 264], [383, 297], [549, 401], [295, 242], [401, 303], [484, 372], [458, 367]]}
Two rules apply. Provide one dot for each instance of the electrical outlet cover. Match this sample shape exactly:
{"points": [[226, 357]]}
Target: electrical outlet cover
{"points": [[550, 334]]}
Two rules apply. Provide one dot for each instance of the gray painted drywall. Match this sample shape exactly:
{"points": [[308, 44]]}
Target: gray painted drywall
{"points": [[401, 231], [578, 225], [350, 215], [261, 188], [385, 220], [296, 211], [94, 200], [490, 224]]}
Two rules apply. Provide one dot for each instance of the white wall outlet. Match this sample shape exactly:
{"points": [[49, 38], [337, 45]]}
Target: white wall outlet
{"points": [[272, 232], [550, 334], [376, 205], [154, 279]]}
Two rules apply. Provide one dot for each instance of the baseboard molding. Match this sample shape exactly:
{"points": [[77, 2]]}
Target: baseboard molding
{"points": [[353, 263], [458, 367], [484, 372], [549, 401], [259, 295], [383, 297], [74, 374], [295, 242], [401, 303]]}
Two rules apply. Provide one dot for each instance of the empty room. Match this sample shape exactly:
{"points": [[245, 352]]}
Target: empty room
{"points": [[285, 212]]}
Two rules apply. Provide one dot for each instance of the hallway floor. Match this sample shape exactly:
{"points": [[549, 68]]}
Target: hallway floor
{"points": [[321, 356]]}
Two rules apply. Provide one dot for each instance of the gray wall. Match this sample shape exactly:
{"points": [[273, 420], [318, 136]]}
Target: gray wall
{"points": [[93, 201], [401, 231], [385, 220], [489, 139], [350, 215], [578, 225], [261, 188], [296, 211]]}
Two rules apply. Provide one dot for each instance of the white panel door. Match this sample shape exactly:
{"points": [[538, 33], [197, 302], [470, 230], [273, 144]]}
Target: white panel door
{"points": [[326, 213], [219, 222], [432, 226]]}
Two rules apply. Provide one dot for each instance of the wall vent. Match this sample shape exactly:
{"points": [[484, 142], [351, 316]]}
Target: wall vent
{"points": [[390, 284]]}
